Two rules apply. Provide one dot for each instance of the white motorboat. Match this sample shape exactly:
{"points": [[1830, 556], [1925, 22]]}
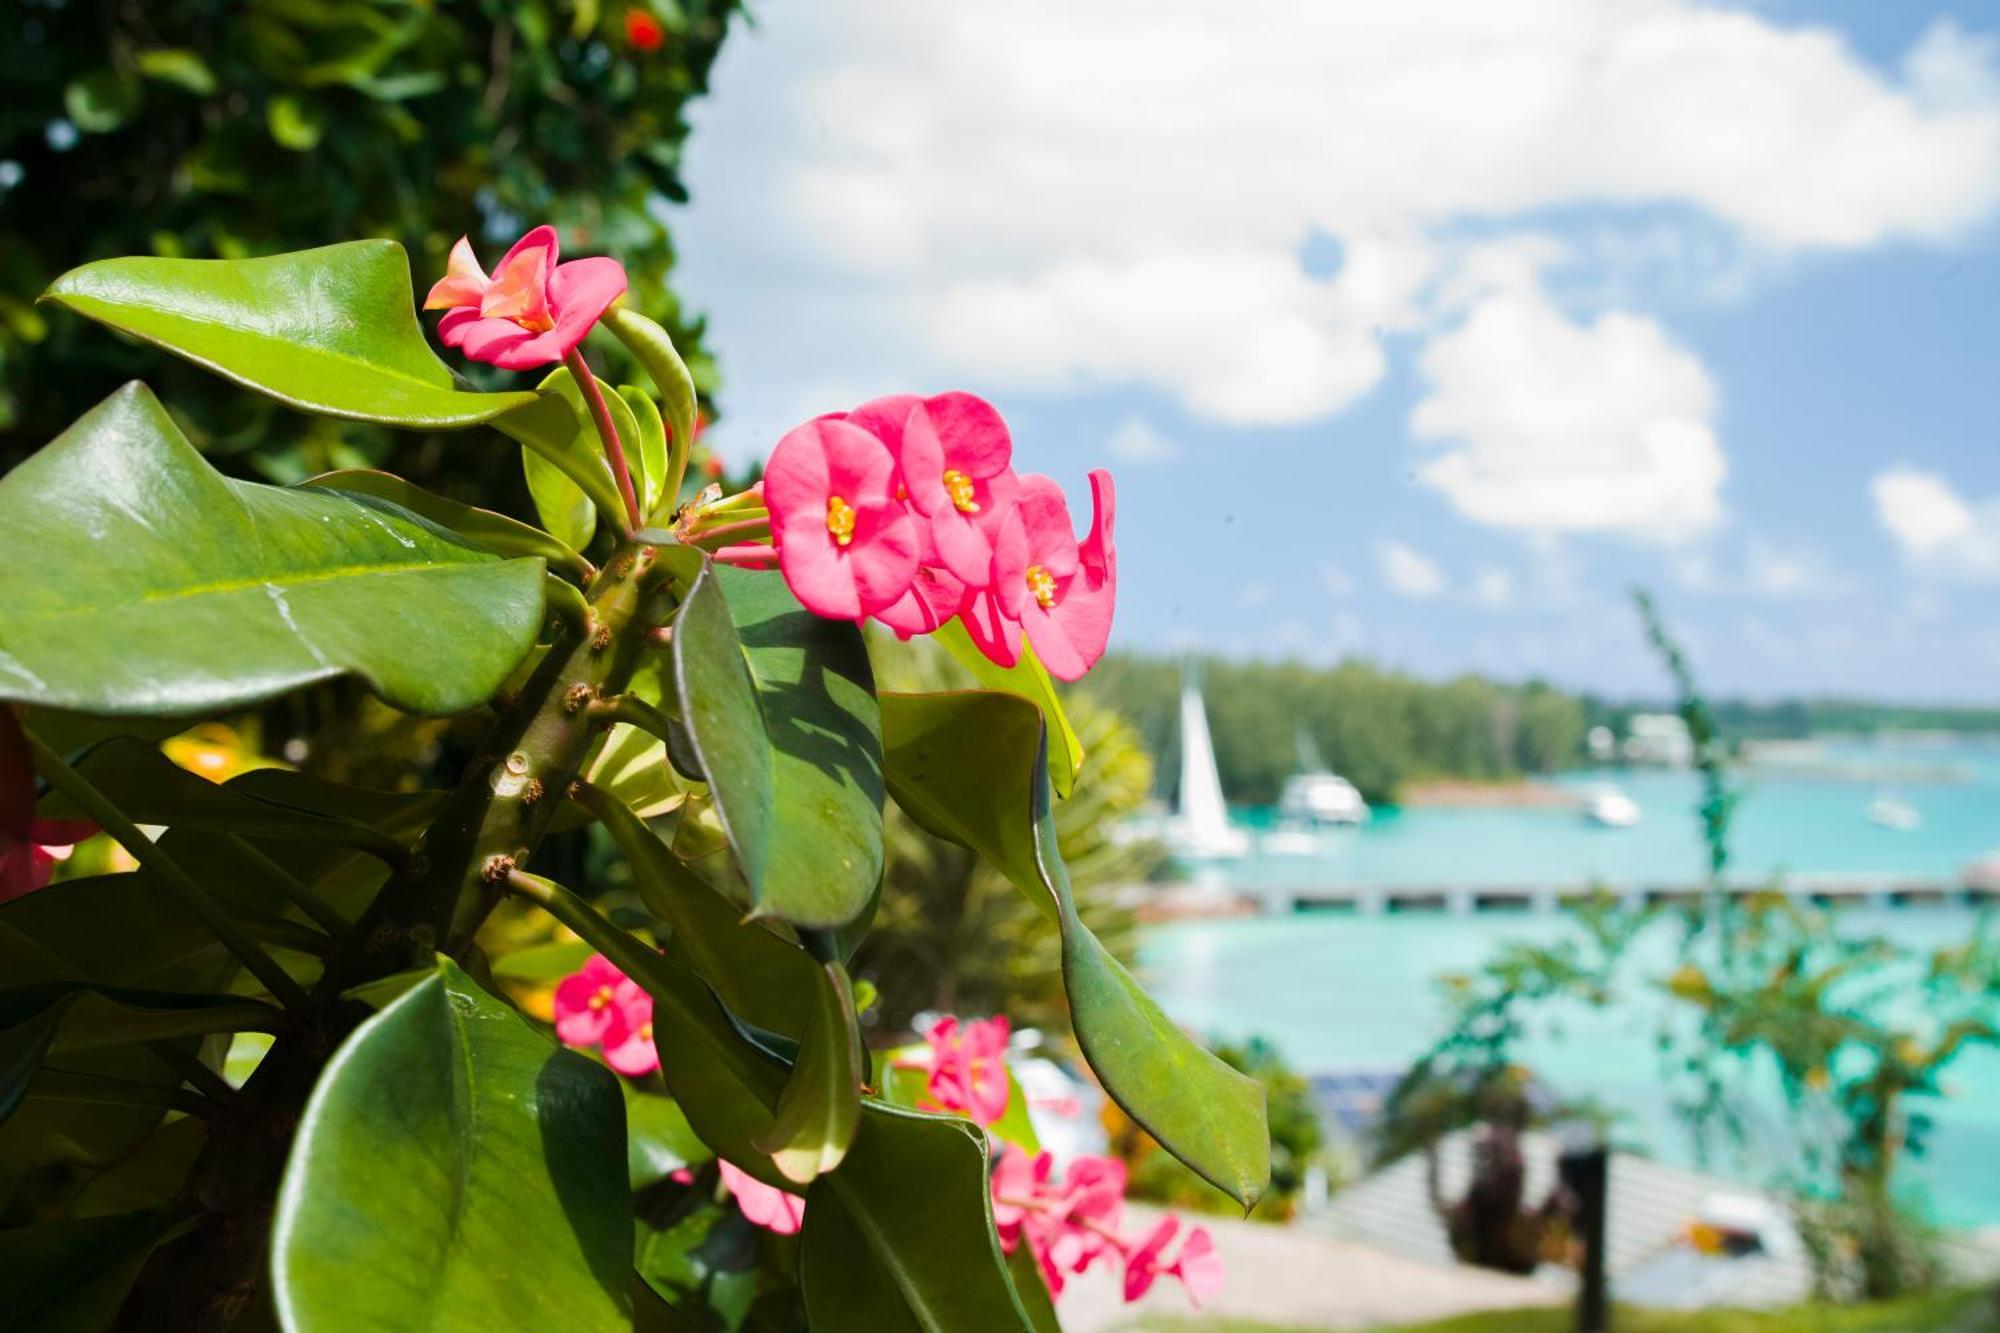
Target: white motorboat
{"points": [[1607, 807], [1321, 798], [1890, 812]]}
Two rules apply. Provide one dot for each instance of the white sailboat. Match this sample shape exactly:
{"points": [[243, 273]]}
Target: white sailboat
{"points": [[1200, 829]]}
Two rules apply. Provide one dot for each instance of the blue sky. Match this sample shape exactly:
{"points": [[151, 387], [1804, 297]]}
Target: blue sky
{"points": [[1415, 332]]}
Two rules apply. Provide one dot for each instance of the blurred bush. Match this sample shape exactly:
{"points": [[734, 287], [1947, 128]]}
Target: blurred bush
{"points": [[223, 128]]}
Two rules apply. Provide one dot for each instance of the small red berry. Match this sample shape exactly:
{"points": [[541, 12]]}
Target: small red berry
{"points": [[643, 31]]}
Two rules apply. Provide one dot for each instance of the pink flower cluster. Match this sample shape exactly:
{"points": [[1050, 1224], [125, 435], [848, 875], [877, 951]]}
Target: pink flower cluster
{"points": [[1076, 1222], [29, 847], [968, 1068], [1071, 1224], [532, 311], [908, 510], [601, 1006]]}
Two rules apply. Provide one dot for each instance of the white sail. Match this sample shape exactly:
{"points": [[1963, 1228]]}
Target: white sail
{"points": [[1201, 824]]}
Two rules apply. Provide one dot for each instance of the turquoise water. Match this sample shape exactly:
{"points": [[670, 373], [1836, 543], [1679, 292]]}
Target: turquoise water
{"points": [[1356, 992], [1800, 825]]}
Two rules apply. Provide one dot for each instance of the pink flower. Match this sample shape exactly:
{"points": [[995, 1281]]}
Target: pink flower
{"points": [[954, 460], [28, 864], [847, 546], [628, 1038], [587, 1001], [968, 1068], [767, 1207], [29, 847], [1197, 1265], [532, 311], [1060, 590]]}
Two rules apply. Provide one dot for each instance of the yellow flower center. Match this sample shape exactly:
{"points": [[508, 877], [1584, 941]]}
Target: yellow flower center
{"points": [[959, 487], [1043, 585], [645, 1032], [840, 520], [600, 998]]}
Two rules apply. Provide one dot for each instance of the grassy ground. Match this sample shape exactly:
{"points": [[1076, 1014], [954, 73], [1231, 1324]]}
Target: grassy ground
{"points": [[1941, 1312]]}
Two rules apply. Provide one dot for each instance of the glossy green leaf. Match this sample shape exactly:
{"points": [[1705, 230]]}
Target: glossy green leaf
{"points": [[152, 1174], [99, 103], [709, 1263], [455, 1170], [71, 1276], [332, 330], [164, 588], [972, 768], [1029, 680], [647, 453], [662, 360], [485, 529], [83, 1016], [780, 705], [1033, 1289], [901, 1237], [564, 510], [658, 1138], [179, 66], [152, 789], [763, 979], [821, 1103], [554, 427]]}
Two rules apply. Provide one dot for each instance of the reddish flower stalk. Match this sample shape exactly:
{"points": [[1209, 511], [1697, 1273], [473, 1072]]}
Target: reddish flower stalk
{"points": [[607, 431]]}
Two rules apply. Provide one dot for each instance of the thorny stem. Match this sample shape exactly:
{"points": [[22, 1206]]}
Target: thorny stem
{"points": [[607, 431], [633, 711], [432, 903], [176, 881]]}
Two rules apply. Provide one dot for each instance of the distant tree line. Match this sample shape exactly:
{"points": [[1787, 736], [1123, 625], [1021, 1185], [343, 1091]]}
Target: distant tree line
{"points": [[1795, 719], [1376, 727]]}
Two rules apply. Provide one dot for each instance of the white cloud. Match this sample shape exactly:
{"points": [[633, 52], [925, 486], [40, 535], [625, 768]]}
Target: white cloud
{"points": [[1493, 588], [1046, 194], [1407, 571], [1938, 531], [1557, 426], [1137, 440]]}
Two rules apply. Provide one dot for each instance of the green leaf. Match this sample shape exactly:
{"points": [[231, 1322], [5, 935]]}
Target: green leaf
{"points": [[101, 102], [455, 1170], [709, 1263], [555, 427], [648, 452], [765, 980], [972, 768], [658, 1138], [821, 1103], [332, 331], [164, 588], [485, 529], [71, 1276], [179, 66], [273, 803], [901, 1237], [1029, 680], [780, 706], [294, 123], [656, 352], [565, 510], [1033, 1289]]}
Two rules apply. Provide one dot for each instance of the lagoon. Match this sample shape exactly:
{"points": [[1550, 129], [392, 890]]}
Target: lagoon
{"points": [[1350, 992]]}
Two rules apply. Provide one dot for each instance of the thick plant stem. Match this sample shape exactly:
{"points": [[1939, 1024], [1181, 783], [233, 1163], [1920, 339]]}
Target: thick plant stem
{"points": [[494, 819], [177, 881], [614, 448]]}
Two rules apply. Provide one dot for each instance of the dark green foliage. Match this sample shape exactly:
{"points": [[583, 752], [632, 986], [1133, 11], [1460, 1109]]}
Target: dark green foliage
{"points": [[1377, 728], [205, 128]]}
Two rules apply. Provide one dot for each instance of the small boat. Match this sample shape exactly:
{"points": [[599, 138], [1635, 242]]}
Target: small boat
{"points": [[1607, 807], [1200, 829], [1315, 796], [1887, 811]]}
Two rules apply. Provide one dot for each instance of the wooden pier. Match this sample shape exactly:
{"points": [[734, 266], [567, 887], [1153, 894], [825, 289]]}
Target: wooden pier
{"points": [[1465, 899]]}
